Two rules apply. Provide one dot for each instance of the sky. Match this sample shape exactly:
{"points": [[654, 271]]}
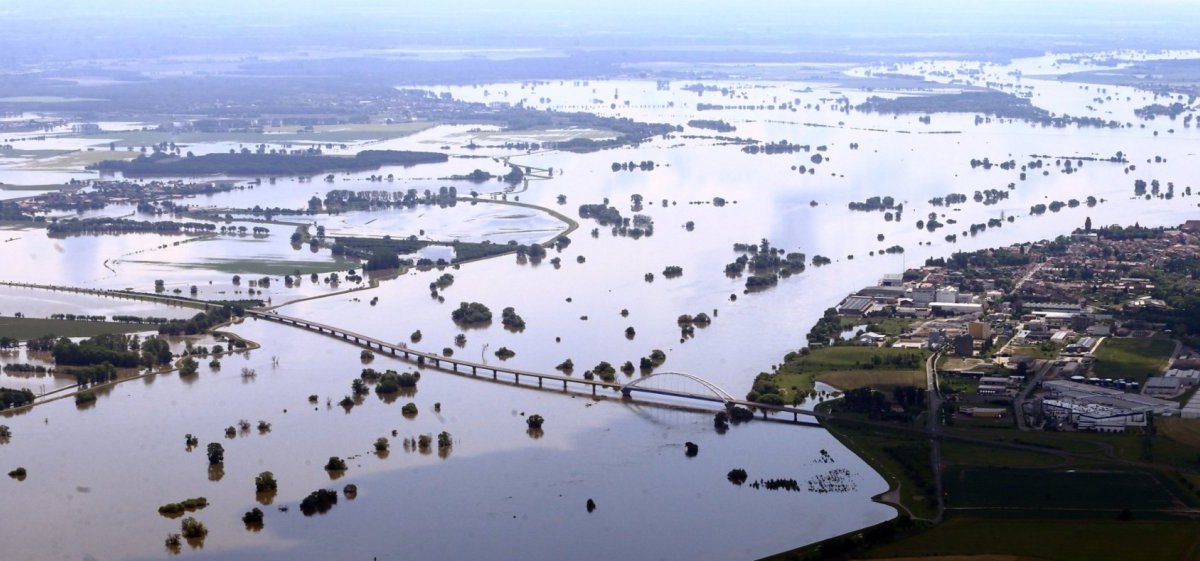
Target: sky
{"points": [[33, 30]]}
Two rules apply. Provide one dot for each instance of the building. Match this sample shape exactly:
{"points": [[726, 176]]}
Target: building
{"points": [[964, 345], [984, 412], [1093, 416], [922, 295], [946, 294], [955, 308], [857, 306], [85, 128], [1190, 378], [892, 280], [1097, 394], [1083, 345], [993, 385], [1162, 386], [979, 330]]}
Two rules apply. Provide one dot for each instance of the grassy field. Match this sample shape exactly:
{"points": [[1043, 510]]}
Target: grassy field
{"points": [[31, 328], [1045, 350], [1132, 358], [1183, 431], [1054, 540], [76, 160], [853, 379], [800, 371], [1099, 492], [886, 326], [967, 454], [1132, 446]]}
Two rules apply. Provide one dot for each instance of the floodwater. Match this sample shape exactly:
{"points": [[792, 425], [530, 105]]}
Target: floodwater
{"points": [[499, 489]]}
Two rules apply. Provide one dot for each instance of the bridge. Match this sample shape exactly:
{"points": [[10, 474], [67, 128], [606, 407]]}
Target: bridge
{"points": [[711, 392], [474, 369]]}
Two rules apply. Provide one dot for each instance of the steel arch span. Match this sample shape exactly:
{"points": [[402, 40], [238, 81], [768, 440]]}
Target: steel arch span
{"points": [[637, 385]]}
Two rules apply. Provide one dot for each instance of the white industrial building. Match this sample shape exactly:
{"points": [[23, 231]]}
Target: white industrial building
{"points": [[1063, 390], [1094, 416]]}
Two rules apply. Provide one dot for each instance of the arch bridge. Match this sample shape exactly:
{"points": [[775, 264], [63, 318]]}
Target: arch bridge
{"points": [[712, 391]]}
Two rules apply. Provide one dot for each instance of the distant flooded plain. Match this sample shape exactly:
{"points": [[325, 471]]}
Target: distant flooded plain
{"points": [[501, 488]]}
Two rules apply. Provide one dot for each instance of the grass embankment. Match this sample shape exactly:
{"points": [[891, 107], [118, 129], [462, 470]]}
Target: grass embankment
{"points": [[32, 328], [1052, 540], [901, 457], [850, 367], [1132, 358]]}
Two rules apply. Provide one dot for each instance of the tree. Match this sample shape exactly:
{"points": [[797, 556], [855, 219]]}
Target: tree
{"points": [[1087, 224], [382, 259], [265, 482], [188, 366], [216, 453]]}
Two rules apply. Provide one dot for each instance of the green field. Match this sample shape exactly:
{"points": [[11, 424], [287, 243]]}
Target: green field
{"points": [[879, 379], [1054, 540], [886, 326], [1132, 358], [799, 371], [31, 328], [1087, 492], [967, 454]]}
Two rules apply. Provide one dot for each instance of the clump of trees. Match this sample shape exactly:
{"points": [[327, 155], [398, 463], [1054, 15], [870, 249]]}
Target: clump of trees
{"points": [[253, 519], [469, 313], [335, 464], [318, 502], [14, 398], [382, 259], [187, 505], [737, 476], [534, 421], [216, 453], [605, 371], [265, 483], [511, 320], [193, 529], [505, 353]]}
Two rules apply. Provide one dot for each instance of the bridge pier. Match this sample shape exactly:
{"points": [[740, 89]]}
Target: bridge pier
{"points": [[564, 385], [517, 378], [540, 379], [593, 390], [493, 374], [473, 373]]}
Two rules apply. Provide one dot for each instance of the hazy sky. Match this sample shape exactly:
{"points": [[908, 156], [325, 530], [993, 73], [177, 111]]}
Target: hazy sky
{"points": [[32, 29]]}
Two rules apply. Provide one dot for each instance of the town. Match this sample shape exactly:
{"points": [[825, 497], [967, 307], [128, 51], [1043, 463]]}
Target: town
{"points": [[1069, 334]]}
